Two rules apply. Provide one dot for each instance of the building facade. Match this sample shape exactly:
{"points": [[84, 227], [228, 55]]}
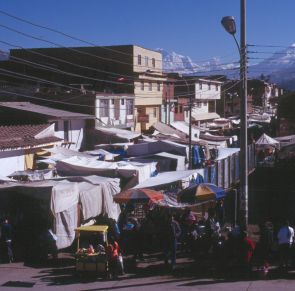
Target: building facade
{"points": [[126, 69]]}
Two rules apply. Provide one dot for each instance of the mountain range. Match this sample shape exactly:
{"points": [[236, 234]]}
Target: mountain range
{"points": [[279, 67]]}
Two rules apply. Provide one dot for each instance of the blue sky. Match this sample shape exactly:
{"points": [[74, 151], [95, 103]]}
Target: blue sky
{"points": [[188, 27]]}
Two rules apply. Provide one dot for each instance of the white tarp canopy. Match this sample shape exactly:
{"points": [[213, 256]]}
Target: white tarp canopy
{"points": [[224, 153], [149, 148], [60, 153], [107, 155], [266, 140], [170, 177], [184, 127], [180, 160], [136, 172], [121, 133], [61, 197]]}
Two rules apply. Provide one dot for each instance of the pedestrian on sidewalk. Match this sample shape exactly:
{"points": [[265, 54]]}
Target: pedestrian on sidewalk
{"points": [[285, 240], [173, 233], [6, 254]]}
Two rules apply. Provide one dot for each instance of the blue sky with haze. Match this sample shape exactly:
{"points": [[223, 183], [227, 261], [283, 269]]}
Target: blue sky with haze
{"points": [[188, 27]]}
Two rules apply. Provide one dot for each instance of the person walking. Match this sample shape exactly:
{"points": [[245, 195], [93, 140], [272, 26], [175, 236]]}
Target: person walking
{"points": [[6, 241], [170, 247], [285, 240], [113, 252]]}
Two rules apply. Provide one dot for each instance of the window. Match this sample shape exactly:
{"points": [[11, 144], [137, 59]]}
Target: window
{"points": [[139, 59], [155, 111], [104, 108], [209, 86], [205, 103], [180, 108], [199, 104], [113, 101], [129, 106], [122, 101], [158, 86], [66, 130], [142, 85], [150, 86], [153, 62], [146, 61], [200, 86], [216, 87]]}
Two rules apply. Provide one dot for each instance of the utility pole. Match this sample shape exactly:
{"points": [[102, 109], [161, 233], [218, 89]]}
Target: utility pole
{"points": [[244, 123]]}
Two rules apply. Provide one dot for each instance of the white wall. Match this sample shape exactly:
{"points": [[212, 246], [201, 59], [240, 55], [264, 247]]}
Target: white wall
{"points": [[112, 118], [76, 132], [11, 161], [208, 92]]}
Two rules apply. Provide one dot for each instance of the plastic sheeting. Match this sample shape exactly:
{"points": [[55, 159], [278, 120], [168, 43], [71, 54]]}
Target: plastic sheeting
{"points": [[136, 172], [168, 178], [150, 148], [61, 198]]}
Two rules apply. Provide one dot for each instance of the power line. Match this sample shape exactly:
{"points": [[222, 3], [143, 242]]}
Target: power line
{"points": [[36, 79], [47, 68], [71, 63], [74, 37], [271, 46], [95, 56]]}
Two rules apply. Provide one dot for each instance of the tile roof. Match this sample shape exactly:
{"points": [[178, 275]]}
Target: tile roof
{"points": [[22, 136], [44, 110]]}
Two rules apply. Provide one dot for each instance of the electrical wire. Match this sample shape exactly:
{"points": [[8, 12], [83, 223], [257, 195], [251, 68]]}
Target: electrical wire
{"points": [[70, 63], [74, 37], [50, 69], [76, 50]]}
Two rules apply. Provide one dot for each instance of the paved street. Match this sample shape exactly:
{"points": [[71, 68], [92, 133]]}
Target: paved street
{"points": [[149, 275]]}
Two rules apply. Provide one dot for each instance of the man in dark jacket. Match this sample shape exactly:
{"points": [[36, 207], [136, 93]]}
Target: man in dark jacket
{"points": [[172, 234], [6, 241]]}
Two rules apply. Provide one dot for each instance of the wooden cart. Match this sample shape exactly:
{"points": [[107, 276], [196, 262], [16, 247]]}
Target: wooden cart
{"points": [[96, 262]]}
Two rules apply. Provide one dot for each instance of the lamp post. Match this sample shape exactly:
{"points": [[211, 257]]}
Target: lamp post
{"points": [[228, 23]]}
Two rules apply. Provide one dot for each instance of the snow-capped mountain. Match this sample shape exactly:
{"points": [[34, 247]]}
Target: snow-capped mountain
{"points": [[279, 68], [173, 62]]}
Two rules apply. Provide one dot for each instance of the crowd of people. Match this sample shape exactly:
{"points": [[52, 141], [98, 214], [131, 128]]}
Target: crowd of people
{"points": [[229, 248]]}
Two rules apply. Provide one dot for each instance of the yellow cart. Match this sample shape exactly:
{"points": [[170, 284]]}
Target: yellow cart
{"points": [[94, 262]]}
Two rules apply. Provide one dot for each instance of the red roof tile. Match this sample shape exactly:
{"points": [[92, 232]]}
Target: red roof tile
{"points": [[21, 136]]}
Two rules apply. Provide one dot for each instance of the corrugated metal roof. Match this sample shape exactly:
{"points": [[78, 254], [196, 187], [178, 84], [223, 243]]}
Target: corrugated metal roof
{"points": [[44, 110]]}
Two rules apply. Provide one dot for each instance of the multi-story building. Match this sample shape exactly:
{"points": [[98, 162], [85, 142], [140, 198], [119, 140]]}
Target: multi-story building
{"points": [[262, 97], [203, 93], [116, 110], [125, 69], [230, 102]]}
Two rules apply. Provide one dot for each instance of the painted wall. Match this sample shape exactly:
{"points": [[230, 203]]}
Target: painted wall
{"points": [[205, 90], [11, 161], [146, 62], [76, 132], [117, 111]]}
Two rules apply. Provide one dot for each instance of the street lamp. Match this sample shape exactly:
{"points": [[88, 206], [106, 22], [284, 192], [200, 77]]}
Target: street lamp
{"points": [[228, 23]]}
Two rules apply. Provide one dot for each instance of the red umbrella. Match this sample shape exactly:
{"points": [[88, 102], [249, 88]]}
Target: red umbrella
{"points": [[138, 195]]}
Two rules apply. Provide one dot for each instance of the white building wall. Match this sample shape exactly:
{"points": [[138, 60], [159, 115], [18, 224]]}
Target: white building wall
{"points": [[76, 132], [11, 161], [206, 91]]}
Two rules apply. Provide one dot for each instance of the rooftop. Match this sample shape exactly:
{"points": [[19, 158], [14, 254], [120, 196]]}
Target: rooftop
{"points": [[52, 113], [23, 136]]}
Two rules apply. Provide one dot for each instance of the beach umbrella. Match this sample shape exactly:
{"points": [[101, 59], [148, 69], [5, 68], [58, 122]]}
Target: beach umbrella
{"points": [[200, 193], [139, 195]]}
